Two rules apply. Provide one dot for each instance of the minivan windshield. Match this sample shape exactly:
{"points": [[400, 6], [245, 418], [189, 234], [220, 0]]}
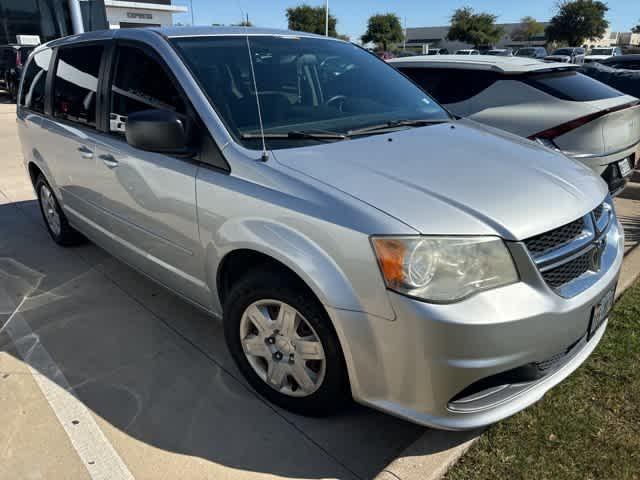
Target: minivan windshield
{"points": [[310, 89]]}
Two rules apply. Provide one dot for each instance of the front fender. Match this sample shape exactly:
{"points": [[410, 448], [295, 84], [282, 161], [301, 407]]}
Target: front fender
{"points": [[288, 246]]}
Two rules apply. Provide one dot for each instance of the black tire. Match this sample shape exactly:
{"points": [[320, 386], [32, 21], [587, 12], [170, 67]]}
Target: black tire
{"points": [[334, 393], [67, 236]]}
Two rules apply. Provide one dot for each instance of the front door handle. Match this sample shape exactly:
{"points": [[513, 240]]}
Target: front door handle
{"points": [[85, 152], [109, 160]]}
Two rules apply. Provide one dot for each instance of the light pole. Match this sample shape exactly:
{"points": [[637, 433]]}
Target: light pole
{"points": [[192, 21], [326, 19]]}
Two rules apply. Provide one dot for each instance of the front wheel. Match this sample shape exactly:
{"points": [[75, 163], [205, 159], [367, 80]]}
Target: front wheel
{"points": [[281, 339]]}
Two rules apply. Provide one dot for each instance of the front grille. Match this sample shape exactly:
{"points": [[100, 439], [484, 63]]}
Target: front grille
{"points": [[554, 239], [563, 274], [567, 253], [599, 211]]}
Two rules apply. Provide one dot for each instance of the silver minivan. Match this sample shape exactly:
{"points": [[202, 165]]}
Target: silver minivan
{"points": [[355, 239]]}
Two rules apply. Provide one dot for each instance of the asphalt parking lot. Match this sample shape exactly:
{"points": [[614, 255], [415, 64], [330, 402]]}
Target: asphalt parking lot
{"points": [[103, 374]]}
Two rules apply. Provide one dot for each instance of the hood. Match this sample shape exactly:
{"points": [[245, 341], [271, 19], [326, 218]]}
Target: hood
{"points": [[455, 179]]}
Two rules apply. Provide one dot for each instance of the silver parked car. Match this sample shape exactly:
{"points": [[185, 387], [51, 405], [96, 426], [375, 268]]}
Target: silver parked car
{"points": [[552, 104], [567, 55], [356, 240]]}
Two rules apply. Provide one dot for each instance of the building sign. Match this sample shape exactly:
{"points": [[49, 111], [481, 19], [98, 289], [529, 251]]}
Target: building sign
{"points": [[141, 16]]}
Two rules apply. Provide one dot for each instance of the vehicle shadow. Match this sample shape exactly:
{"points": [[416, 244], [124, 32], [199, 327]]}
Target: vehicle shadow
{"points": [[157, 369]]}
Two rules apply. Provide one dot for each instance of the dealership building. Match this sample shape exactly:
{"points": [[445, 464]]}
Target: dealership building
{"points": [[141, 13], [424, 38]]}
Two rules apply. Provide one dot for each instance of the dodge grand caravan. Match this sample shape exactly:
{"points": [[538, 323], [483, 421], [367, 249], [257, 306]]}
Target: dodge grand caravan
{"points": [[355, 239]]}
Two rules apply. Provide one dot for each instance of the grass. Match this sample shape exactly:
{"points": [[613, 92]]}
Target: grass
{"points": [[588, 427]]}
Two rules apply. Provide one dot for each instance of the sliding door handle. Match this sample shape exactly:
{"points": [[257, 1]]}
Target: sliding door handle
{"points": [[109, 160], [85, 152]]}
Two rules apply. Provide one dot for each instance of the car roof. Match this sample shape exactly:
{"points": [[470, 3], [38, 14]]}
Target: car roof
{"points": [[177, 32], [509, 65], [625, 58]]}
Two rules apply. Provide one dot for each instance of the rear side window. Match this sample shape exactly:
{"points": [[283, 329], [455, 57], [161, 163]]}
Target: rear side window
{"points": [[451, 85], [35, 77], [76, 84], [572, 86], [140, 83]]}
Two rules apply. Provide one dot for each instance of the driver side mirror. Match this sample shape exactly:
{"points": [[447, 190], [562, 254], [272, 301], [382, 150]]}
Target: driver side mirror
{"points": [[159, 131]]}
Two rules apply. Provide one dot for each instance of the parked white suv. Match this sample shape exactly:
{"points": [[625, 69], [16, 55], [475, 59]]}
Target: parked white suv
{"points": [[602, 53], [550, 103]]}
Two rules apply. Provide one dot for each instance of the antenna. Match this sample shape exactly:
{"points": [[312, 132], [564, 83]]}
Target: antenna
{"points": [[265, 154]]}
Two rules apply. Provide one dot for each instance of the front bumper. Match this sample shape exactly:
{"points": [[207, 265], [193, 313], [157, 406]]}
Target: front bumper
{"points": [[417, 366]]}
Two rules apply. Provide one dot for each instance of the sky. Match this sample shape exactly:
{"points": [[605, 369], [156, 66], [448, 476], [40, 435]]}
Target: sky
{"points": [[352, 15]]}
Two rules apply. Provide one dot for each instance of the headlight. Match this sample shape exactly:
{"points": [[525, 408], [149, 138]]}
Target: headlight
{"points": [[444, 269]]}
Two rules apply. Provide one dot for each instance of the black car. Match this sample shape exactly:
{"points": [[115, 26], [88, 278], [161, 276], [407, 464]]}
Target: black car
{"points": [[12, 58], [626, 62]]}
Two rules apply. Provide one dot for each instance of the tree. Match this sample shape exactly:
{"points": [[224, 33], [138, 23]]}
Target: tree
{"points": [[528, 29], [636, 29], [305, 18], [383, 30], [577, 21], [477, 29]]}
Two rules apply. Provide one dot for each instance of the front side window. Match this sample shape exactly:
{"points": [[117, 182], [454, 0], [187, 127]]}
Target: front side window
{"points": [[33, 87], [76, 84], [140, 83], [306, 85]]}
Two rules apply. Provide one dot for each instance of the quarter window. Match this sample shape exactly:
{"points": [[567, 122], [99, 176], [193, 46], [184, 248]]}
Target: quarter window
{"points": [[76, 84], [35, 77], [140, 84], [571, 85]]}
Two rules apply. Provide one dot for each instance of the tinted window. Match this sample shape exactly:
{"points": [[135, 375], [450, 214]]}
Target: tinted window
{"points": [[140, 83], [564, 51], [303, 84], [571, 86], [47, 18], [94, 16], [601, 51], [451, 85], [35, 77], [76, 83]]}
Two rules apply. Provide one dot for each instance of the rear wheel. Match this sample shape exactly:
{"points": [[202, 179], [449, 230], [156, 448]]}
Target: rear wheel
{"points": [[54, 218], [282, 341]]}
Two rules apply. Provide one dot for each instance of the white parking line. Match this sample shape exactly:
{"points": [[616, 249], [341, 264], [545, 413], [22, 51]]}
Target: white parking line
{"points": [[95, 451]]}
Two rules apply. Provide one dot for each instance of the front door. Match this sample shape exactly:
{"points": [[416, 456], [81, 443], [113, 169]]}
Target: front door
{"points": [[150, 197]]}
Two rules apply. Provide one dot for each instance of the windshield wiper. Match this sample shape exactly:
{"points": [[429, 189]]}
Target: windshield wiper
{"points": [[297, 135], [384, 127]]}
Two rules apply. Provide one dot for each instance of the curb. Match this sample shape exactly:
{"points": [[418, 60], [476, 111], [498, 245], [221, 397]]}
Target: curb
{"points": [[436, 451]]}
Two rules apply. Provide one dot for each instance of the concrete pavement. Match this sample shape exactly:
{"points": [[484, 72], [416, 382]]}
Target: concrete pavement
{"points": [[83, 336]]}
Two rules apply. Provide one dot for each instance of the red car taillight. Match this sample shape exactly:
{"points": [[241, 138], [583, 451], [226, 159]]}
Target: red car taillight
{"points": [[554, 132], [18, 59]]}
